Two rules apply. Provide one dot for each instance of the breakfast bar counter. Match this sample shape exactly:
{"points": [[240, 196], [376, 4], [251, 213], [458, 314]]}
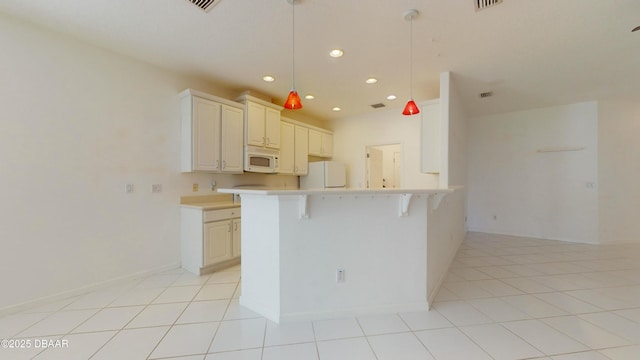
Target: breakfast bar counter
{"points": [[311, 254]]}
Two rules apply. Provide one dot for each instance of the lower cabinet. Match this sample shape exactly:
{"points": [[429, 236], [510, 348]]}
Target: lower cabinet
{"points": [[210, 239]]}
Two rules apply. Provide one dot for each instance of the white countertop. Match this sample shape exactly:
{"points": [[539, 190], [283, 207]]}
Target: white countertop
{"points": [[336, 191]]}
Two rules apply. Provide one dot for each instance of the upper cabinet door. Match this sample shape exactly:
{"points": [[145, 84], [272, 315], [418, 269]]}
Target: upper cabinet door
{"points": [[301, 150], [272, 128], [287, 154], [206, 134], [232, 132], [256, 124]]}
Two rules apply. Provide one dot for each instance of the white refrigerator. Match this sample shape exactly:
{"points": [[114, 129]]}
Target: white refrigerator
{"points": [[324, 174]]}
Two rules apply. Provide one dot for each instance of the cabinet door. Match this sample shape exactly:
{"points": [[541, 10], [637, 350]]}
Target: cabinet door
{"points": [[255, 124], [287, 155], [232, 134], [315, 142], [217, 242], [272, 128], [206, 135], [327, 145], [301, 164], [237, 237]]}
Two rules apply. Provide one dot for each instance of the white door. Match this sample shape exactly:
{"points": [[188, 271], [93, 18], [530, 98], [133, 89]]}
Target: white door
{"points": [[374, 159], [206, 135], [272, 128], [217, 242], [255, 124]]}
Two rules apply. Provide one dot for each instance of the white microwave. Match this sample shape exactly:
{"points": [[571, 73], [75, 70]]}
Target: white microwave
{"points": [[261, 160]]}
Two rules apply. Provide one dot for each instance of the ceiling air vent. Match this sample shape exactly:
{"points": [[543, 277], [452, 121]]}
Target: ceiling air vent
{"points": [[483, 4], [205, 5], [378, 105], [486, 94]]}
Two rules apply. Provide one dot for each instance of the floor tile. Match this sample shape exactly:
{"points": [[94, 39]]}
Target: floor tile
{"points": [[567, 303], [533, 306], [177, 294], [527, 285], [337, 329], [224, 277], [203, 311], [95, 300], [53, 306], [461, 313], [500, 343], [588, 355], [238, 335], [59, 323], [109, 319], [545, 338], [158, 315], [137, 296], [13, 324], [425, 320], [469, 274], [616, 325], [235, 311], [498, 310], [467, 290], [134, 344], [345, 349], [451, 344], [445, 295], [497, 287], [288, 333], [189, 339], [405, 346], [585, 332], [622, 353], [189, 279], [382, 324], [251, 354], [631, 314], [216, 292], [159, 281], [306, 351], [80, 346]]}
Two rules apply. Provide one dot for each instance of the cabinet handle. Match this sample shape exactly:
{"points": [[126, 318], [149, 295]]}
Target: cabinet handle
{"points": [[264, 140], [235, 227], [268, 142], [217, 163]]}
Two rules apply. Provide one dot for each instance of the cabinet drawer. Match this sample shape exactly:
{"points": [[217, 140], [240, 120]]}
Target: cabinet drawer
{"points": [[221, 214]]}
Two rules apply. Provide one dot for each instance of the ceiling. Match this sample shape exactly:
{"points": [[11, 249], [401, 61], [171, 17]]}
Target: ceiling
{"points": [[528, 53]]}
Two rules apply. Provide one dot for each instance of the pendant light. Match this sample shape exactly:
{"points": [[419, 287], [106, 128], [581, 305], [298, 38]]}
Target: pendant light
{"points": [[411, 108], [293, 100]]}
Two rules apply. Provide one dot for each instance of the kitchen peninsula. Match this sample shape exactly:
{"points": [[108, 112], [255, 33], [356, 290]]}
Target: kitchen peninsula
{"points": [[310, 254]]}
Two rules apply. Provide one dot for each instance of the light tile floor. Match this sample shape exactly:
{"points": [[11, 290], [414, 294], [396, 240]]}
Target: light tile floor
{"points": [[503, 298]]}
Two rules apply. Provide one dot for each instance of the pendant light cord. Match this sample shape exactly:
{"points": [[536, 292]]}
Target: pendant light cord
{"points": [[411, 57], [293, 44]]}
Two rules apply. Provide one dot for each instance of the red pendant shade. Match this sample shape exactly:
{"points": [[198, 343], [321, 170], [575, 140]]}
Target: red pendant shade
{"points": [[293, 101], [411, 108]]}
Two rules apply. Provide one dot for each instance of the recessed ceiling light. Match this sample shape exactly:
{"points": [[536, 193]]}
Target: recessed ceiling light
{"points": [[269, 78], [309, 97], [371, 81], [336, 53], [336, 109], [391, 97]]}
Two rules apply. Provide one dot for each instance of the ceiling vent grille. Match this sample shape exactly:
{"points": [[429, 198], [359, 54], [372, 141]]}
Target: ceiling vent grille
{"points": [[378, 105], [205, 5], [483, 4], [486, 94]]}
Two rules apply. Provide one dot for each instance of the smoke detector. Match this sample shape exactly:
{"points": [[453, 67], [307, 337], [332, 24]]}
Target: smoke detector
{"points": [[204, 5], [483, 4]]}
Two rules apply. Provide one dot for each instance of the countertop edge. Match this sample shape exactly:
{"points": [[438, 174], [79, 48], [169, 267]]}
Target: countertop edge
{"points": [[337, 192]]}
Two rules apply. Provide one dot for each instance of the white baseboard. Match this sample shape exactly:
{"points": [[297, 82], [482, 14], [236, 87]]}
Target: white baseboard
{"points": [[530, 236], [11, 309]]}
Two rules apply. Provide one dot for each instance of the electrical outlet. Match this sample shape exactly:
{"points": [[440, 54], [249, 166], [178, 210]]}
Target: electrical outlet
{"points": [[156, 188], [339, 275], [128, 188], [195, 187]]}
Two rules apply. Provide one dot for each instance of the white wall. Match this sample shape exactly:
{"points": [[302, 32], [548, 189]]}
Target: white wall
{"points": [[78, 123], [531, 193], [619, 170], [353, 135]]}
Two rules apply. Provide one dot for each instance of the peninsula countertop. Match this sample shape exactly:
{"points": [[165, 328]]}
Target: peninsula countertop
{"points": [[330, 191]]}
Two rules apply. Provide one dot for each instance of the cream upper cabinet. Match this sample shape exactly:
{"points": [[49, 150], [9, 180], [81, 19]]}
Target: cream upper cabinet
{"points": [[301, 150], [211, 133], [294, 152], [232, 125], [262, 122], [320, 143], [287, 148]]}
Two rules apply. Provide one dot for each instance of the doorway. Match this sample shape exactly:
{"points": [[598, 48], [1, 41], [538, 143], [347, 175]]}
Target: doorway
{"points": [[383, 166]]}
